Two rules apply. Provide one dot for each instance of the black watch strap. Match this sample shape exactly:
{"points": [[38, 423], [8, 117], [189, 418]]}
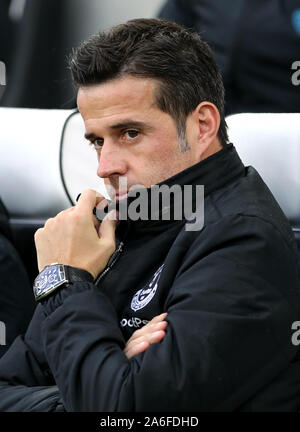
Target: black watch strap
{"points": [[74, 274]]}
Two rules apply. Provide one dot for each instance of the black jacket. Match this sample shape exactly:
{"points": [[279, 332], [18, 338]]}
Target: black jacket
{"points": [[255, 43], [16, 300], [231, 291]]}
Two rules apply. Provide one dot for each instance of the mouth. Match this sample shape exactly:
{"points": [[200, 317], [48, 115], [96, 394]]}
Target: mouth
{"points": [[120, 195]]}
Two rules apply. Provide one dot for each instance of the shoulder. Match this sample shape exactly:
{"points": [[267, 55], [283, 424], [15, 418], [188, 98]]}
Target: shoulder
{"points": [[247, 203]]}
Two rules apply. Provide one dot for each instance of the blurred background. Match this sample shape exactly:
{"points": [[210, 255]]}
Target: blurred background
{"points": [[256, 42], [36, 36]]}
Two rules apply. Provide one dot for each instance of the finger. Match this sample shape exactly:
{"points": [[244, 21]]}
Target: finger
{"points": [[159, 317], [140, 346], [98, 210], [101, 209], [146, 336], [101, 204], [148, 330], [49, 222], [108, 226], [157, 336], [96, 223], [69, 210], [156, 319], [99, 197], [150, 325], [88, 200], [158, 326], [137, 349]]}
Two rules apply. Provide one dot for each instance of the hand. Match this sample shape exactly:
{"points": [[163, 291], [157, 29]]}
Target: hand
{"points": [[152, 332], [75, 237]]}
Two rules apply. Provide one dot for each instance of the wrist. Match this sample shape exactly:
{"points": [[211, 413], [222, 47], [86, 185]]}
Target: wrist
{"points": [[56, 276]]}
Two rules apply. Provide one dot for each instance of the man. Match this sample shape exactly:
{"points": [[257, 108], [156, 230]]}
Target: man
{"points": [[156, 316]]}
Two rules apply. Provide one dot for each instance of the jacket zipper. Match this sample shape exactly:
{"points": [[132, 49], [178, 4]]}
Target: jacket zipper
{"points": [[113, 259]]}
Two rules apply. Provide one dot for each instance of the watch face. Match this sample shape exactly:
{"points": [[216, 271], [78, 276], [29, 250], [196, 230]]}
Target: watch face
{"points": [[49, 279]]}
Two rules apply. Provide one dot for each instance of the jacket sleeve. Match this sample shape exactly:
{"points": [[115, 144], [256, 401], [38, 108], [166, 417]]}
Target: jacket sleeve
{"points": [[16, 298], [26, 383], [30, 399], [230, 311]]}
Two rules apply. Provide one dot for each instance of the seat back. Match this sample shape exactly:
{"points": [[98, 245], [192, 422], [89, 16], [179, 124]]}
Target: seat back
{"points": [[271, 144], [45, 162], [78, 160], [31, 184]]}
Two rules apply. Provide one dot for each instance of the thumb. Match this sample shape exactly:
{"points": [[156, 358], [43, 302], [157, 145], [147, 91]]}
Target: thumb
{"points": [[108, 225]]}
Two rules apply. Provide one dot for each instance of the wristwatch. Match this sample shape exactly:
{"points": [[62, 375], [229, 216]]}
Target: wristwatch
{"points": [[57, 275]]}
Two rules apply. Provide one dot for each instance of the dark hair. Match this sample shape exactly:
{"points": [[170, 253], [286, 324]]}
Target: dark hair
{"points": [[175, 56]]}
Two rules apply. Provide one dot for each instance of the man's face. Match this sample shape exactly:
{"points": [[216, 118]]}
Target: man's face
{"points": [[132, 137]]}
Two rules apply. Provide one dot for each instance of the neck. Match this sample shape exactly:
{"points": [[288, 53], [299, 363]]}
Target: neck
{"points": [[214, 147]]}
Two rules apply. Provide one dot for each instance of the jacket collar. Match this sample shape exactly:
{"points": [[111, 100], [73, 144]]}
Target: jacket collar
{"points": [[213, 173]]}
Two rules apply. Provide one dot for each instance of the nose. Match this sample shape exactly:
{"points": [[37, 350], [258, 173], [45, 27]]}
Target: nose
{"points": [[110, 162]]}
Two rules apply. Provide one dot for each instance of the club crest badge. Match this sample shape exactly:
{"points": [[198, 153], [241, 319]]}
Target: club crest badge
{"points": [[146, 294]]}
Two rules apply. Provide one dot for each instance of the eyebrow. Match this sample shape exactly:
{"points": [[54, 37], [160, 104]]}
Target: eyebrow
{"points": [[90, 136], [122, 125]]}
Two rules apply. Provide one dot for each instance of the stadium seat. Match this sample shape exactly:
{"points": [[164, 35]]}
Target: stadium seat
{"points": [[45, 163], [31, 184], [271, 143]]}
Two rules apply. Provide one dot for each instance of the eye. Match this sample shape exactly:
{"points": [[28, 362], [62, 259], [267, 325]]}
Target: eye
{"points": [[97, 143], [131, 134]]}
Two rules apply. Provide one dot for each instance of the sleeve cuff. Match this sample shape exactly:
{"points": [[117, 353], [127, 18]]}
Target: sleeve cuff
{"points": [[51, 303]]}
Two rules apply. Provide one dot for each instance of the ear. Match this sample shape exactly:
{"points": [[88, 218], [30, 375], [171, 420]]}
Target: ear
{"points": [[204, 123]]}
